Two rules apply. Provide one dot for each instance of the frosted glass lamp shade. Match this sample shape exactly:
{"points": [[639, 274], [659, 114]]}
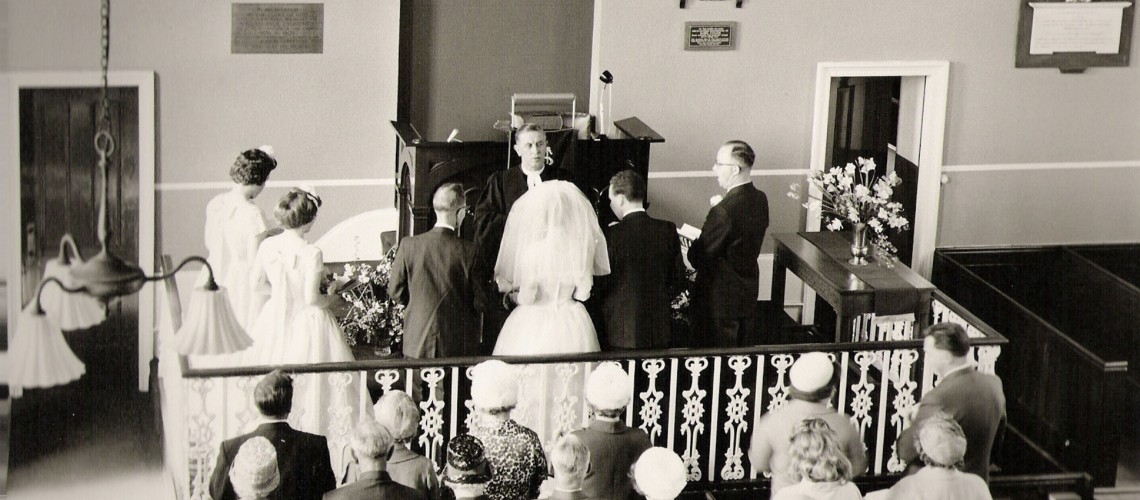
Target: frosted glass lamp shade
{"points": [[209, 326], [39, 356], [71, 311]]}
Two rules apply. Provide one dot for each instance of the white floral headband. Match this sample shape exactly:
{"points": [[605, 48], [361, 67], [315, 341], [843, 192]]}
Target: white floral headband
{"points": [[311, 194]]}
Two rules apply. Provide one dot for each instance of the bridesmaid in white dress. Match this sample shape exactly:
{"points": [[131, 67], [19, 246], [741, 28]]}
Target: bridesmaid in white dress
{"points": [[234, 227], [294, 327], [552, 247]]}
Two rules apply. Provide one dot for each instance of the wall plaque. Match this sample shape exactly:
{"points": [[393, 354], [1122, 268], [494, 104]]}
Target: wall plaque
{"points": [[1073, 36], [277, 28], [717, 35]]}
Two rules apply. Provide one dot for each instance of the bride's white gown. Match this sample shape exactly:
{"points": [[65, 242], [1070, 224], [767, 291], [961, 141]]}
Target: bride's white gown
{"points": [[547, 320], [552, 247]]}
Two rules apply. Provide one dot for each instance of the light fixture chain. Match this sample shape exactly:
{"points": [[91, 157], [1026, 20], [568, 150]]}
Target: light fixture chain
{"points": [[105, 102], [104, 141]]}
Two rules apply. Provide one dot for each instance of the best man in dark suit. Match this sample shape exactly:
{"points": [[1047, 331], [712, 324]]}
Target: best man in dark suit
{"points": [[973, 399], [432, 275], [503, 189], [646, 270], [371, 448], [725, 254], [302, 458]]}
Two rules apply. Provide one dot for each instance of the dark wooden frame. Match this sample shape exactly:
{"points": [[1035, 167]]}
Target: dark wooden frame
{"points": [[1070, 62]]}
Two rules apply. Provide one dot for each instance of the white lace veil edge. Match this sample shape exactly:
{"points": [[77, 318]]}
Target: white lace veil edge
{"points": [[551, 237]]}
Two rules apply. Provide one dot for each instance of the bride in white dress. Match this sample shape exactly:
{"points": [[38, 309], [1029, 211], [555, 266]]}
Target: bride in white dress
{"points": [[551, 249]]}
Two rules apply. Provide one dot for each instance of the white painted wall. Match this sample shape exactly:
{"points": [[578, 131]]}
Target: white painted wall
{"points": [[998, 114], [326, 114]]}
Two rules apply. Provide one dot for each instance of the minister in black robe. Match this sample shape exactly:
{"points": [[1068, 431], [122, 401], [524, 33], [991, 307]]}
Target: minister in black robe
{"points": [[502, 190]]}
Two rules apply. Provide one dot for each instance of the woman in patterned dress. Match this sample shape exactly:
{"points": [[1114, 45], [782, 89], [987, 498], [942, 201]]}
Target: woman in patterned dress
{"points": [[514, 451]]}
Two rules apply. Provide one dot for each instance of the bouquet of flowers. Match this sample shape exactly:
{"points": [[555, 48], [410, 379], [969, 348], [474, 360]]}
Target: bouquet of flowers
{"points": [[855, 194], [683, 303], [373, 318]]}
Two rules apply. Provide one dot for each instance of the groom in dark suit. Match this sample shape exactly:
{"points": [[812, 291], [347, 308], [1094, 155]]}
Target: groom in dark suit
{"points": [[302, 458], [726, 252], [503, 189], [432, 275], [646, 270]]}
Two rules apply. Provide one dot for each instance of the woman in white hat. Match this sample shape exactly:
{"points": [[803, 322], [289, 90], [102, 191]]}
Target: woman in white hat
{"points": [[659, 474], [614, 446], [514, 452], [254, 473], [942, 447], [812, 386]]}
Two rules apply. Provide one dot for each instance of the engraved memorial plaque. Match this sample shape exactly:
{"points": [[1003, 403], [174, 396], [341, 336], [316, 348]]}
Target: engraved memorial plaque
{"points": [[277, 28]]}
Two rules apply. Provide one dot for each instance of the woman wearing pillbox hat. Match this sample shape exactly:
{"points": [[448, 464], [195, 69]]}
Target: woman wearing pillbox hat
{"points": [[613, 445], [813, 384], [466, 473], [254, 473], [942, 448], [514, 452], [659, 474]]}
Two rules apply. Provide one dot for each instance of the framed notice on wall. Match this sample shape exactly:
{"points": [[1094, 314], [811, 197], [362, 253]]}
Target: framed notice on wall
{"points": [[277, 28], [715, 35], [1073, 36]]}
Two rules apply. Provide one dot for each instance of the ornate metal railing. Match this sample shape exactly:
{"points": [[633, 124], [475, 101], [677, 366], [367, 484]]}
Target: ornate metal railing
{"points": [[703, 404]]}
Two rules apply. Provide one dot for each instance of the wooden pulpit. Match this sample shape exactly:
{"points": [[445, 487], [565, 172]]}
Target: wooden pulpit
{"points": [[422, 166]]}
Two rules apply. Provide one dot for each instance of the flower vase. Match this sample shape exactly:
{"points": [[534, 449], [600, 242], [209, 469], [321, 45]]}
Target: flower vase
{"points": [[860, 246]]}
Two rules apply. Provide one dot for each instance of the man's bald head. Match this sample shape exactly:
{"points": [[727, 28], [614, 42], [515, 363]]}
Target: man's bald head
{"points": [[448, 198]]}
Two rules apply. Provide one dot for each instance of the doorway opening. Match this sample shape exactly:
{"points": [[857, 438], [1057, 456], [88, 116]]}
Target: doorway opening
{"points": [[854, 105]]}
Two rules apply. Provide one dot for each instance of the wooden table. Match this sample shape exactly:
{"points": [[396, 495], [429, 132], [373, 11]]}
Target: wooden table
{"points": [[820, 260]]}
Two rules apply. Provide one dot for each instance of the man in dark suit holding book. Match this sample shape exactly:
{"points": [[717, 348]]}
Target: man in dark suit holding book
{"points": [[725, 254], [646, 270], [302, 458]]}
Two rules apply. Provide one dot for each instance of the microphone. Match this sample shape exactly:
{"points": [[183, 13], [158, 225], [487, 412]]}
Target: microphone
{"points": [[452, 135]]}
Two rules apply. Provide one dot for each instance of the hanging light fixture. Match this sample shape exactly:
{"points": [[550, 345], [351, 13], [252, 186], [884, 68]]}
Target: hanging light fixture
{"points": [[39, 353]]}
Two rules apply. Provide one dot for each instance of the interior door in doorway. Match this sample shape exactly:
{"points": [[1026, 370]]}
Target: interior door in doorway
{"points": [[59, 192]]}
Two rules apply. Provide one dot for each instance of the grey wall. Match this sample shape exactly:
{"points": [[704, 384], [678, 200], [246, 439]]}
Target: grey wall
{"points": [[762, 92], [470, 56]]}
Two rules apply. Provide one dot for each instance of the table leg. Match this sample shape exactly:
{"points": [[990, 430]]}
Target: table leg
{"points": [[843, 328], [922, 314], [779, 277]]}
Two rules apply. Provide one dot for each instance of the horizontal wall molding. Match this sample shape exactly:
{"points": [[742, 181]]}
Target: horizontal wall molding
{"points": [[220, 186], [1076, 165], [685, 174]]}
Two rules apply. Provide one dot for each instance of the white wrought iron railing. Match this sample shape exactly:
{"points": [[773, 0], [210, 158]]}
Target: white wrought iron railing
{"points": [[703, 404]]}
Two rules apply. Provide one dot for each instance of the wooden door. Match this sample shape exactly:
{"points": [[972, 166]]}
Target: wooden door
{"points": [[59, 188]]}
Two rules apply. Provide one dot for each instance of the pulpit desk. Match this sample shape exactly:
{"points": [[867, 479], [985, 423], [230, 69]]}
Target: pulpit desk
{"points": [[819, 259], [422, 165]]}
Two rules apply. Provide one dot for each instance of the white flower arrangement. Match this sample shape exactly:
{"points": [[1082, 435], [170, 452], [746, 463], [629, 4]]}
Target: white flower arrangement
{"points": [[855, 194]]}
